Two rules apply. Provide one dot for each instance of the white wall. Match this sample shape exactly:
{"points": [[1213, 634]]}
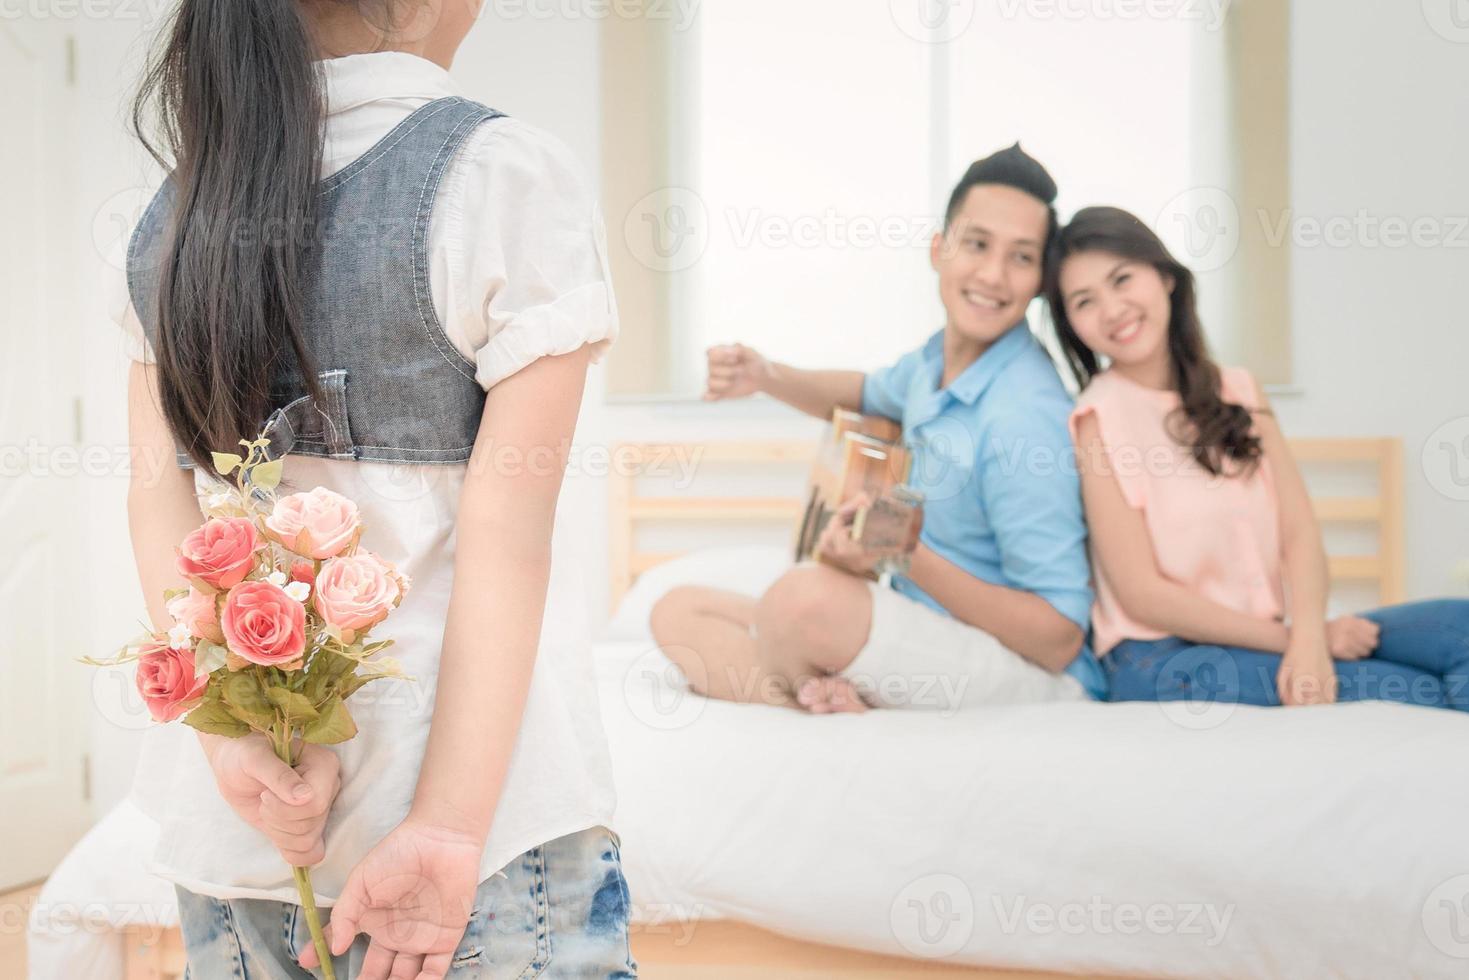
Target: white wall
{"points": [[1380, 121], [1381, 336]]}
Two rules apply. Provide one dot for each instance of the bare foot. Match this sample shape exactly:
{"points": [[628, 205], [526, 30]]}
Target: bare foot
{"points": [[830, 695]]}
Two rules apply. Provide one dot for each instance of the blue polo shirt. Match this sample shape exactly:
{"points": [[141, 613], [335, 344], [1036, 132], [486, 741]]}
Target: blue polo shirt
{"points": [[992, 456]]}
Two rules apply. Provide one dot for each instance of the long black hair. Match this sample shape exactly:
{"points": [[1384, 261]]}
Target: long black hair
{"points": [[1213, 429], [239, 106]]}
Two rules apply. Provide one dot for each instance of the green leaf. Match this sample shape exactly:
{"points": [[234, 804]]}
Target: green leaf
{"points": [[332, 726], [214, 718], [267, 476], [242, 695], [293, 704], [208, 657], [225, 463]]}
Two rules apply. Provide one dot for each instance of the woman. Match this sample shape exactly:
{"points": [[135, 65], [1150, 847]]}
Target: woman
{"points": [[405, 283], [1199, 520]]}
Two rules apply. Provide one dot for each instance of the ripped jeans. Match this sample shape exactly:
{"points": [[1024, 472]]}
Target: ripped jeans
{"points": [[559, 911]]}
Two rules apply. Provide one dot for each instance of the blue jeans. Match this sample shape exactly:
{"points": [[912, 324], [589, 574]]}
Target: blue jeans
{"points": [[559, 911], [1422, 658]]}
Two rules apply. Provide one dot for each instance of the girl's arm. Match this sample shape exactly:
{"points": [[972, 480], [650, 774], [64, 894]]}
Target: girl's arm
{"points": [[413, 893], [502, 566], [1307, 676], [1124, 550], [162, 507]]}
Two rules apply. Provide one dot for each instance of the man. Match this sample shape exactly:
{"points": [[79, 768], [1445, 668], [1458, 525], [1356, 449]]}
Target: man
{"points": [[996, 603]]}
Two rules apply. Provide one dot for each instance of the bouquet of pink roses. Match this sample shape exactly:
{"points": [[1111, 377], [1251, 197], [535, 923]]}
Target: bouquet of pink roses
{"points": [[271, 635]]}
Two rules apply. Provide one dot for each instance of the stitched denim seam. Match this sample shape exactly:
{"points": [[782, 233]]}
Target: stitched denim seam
{"points": [[543, 916], [433, 328], [229, 916], [372, 156]]}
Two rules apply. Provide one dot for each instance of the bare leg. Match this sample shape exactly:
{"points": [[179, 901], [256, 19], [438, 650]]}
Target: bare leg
{"points": [[809, 625], [811, 622], [707, 633]]}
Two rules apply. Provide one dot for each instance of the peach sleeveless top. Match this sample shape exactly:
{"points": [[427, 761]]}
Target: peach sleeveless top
{"points": [[1219, 536]]}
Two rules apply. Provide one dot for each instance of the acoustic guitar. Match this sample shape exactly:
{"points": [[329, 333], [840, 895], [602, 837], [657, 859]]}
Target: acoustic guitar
{"points": [[863, 454]]}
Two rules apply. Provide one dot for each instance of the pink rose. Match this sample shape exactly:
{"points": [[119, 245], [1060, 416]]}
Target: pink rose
{"points": [[356, 592], [221, 553], [264, 625], [318, 524], [197, 611], [166, 681]]}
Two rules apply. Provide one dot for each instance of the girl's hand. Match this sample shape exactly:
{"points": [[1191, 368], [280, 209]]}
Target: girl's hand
{"points": [[289, 806], [735, 371], [1307, 674], [1352, 637], [412, 895], [835, 547]]}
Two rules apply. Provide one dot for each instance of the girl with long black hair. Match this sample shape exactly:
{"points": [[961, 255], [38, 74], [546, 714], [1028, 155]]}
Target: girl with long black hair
{"points": [[404, 288]]}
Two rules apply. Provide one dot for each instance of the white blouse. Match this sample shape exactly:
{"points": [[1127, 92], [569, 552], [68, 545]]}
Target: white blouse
{"points": [[517, 271]]}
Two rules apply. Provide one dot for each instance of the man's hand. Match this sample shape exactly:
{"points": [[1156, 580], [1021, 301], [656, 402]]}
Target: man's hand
{"points": [[836, 547], [289, 806], [735, 371], [412, 895], [1352, 637]]}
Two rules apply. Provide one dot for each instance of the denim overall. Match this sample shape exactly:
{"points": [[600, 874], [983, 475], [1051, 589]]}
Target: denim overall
{"points": [[396, 391]]}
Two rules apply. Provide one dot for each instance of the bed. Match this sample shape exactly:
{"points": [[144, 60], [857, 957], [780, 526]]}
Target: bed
{"points": [[1099, 840]]}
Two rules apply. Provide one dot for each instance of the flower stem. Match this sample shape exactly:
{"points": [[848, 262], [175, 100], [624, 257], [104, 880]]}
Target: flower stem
{"points": [[281, 738]]}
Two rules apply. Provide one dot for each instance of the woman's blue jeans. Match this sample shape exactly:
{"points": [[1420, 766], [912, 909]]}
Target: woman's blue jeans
{"points": [[1422, 658]]}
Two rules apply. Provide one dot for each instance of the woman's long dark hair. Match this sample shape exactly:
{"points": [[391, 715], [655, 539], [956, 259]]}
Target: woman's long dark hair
{"points": [[239, 106], [1214, 430]]}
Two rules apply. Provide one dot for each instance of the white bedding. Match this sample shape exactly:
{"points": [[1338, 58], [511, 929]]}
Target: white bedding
{"points": [[1302, 843], [1306, 843]]}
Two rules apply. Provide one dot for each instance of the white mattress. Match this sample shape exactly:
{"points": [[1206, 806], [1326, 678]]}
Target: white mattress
{"points": [[1311, 842]]}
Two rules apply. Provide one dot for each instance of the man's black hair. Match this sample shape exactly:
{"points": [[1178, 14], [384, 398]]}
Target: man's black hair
{"points": [[1011, 167]]}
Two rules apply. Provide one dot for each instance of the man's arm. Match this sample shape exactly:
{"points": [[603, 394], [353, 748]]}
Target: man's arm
{"points": [[736, 371], [1021, 620]]}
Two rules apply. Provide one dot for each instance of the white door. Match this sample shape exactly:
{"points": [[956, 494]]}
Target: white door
{"points": [[44, 712]]}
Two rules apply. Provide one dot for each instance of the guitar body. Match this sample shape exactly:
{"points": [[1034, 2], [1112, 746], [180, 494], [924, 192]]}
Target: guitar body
{"points": [[862, 454]]}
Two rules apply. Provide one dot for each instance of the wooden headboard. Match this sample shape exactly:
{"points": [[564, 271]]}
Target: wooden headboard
{"points": [[630, 509]]}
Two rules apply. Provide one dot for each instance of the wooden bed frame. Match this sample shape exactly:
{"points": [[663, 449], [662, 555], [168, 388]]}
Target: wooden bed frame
{"points": [[728, 950], [629, 509]]}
